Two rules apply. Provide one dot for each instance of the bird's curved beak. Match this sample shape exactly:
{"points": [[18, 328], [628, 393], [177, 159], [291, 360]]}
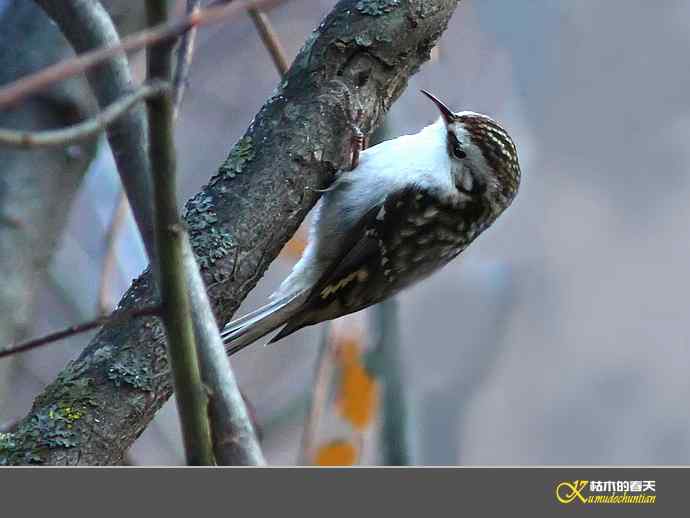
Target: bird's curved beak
{"points": [[445, 112]]}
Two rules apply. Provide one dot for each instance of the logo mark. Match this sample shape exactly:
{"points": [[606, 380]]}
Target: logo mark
{"points": [[566, 492]]}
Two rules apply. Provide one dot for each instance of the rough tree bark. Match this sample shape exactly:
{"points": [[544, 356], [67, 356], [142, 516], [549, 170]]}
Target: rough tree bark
{"points": [[37, 186], [359, 58]]}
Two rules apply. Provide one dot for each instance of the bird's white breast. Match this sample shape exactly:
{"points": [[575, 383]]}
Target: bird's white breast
{"points": [[420, 159]]}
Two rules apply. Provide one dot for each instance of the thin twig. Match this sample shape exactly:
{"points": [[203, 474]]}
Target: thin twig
{"points": [[183, 58], [269, 37], [83, 130], [190, 394], [322, 378], [110, 254], [165, 32], [235, 442], [145, 311]]}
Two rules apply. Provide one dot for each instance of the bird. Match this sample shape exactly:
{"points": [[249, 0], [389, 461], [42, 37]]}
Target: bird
{"points": [[406, 209]]}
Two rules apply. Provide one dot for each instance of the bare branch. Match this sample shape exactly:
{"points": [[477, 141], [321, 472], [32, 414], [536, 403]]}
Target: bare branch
{"points": [[21, 88], [183, 59], [83, 130], [234, 438], [270, 39], [76, 329], [170, 238], [87, 26]]}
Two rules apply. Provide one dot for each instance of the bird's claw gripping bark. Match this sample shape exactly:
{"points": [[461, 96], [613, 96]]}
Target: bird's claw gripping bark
{"points": [[358, 142]]}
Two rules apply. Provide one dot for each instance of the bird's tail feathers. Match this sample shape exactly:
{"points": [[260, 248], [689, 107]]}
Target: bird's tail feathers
{"points": [[241, 332]]}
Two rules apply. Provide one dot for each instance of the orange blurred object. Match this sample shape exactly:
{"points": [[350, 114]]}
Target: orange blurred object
{"points": [[293, 249], [358, 391], [336, 453]]}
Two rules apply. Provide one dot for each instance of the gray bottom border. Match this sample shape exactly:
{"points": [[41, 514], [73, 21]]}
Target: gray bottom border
{"points": [[329, 491]]}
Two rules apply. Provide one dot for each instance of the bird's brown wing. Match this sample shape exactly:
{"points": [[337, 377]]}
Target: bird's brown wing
{"points": [[361, 276]]}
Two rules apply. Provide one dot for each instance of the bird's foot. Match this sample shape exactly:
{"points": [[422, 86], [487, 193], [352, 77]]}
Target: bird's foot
{"points": [[358, 141]]}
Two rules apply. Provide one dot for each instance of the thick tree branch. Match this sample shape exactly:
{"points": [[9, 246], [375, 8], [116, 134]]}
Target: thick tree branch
{"points": [[84, 130], [359, 58]]}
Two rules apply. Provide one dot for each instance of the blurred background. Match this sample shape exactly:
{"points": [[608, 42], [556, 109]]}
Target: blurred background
{"points": [[560, 336]]}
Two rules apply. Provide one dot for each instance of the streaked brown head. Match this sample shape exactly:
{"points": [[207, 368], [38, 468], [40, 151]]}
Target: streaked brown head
{"points": [[481, 147]]}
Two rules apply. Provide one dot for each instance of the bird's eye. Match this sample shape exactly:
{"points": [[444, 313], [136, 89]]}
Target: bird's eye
{"points": [[458, 152]]}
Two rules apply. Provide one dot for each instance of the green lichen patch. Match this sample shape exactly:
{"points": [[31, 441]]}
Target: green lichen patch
{"points": [[376, 7], [363, 40], [51, 426], [209, 242], [132, 373], [201, 213], [211, 246], [241, 154]]}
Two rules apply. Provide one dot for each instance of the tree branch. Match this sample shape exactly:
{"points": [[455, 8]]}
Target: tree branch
{"points": [[77, 329], [386, 361], [184, 54], [87, 59], [234, 438], [358, 59], [269, 37], [87, 26], [190, 394], [83, 130]]}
